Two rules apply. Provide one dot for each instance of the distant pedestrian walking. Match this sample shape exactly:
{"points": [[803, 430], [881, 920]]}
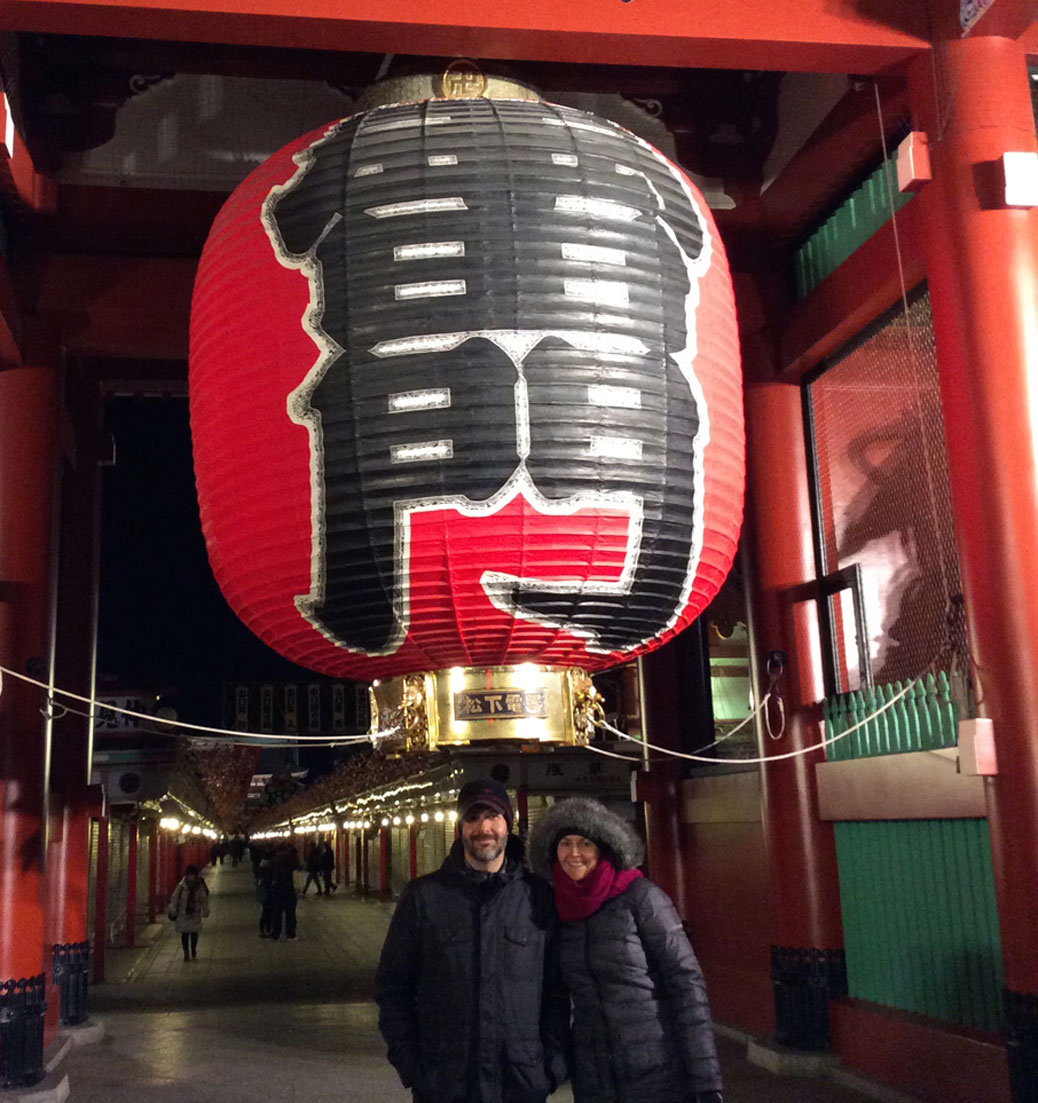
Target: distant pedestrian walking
{"points": [[313, 869], [264, 870], [188, 906], [283, 892], [326, 866]]}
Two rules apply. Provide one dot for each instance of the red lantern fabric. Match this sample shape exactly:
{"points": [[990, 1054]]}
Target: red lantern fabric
{"points": [[465, 391]]}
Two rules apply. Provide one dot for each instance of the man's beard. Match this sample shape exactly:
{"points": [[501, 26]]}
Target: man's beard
{"points": [[483, 851]]}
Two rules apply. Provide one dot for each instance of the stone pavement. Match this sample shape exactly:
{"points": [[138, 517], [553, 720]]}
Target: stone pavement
{"points": [[289, 1022]]}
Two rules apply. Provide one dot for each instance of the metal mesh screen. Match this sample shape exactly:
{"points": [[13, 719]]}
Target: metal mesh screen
{"points": [[884, 504]]}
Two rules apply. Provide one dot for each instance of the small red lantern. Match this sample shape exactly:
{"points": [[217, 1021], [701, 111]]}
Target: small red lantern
{"points": [[465, 393]]}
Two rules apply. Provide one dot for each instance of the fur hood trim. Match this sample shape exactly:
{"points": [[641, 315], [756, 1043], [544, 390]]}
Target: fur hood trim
{"points": [[591, 819]]}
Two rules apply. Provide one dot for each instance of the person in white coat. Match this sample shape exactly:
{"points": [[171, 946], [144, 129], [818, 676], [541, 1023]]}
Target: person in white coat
{"points": [[188, 906]]}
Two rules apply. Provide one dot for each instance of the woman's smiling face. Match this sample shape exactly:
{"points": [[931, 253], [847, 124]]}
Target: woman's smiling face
{"points": [[577, 856]]}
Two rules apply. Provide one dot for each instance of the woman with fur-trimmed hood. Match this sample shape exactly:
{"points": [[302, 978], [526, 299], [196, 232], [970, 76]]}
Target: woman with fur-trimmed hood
{"points": [[641, 1021]]}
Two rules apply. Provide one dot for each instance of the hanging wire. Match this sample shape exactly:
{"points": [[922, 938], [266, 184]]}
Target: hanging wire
{"points": [[637, 759], [910, 337], [236, 736], [775, 666], [772, 734], [49, 710], [612, 754], [774, 757], [774, 673], [244, 738]]}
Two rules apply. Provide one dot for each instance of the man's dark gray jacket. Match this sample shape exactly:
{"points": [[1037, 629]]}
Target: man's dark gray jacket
{"points": [[471, 1003]]}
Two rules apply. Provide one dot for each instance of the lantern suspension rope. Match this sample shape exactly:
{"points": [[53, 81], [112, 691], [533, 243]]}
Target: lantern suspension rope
{"points": [[92, 702], [774, 757]]}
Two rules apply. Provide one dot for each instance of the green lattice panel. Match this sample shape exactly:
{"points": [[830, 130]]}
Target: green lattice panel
{"points": [[920, 926]]}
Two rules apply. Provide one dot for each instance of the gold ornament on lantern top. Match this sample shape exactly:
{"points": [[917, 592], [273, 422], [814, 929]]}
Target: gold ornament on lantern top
{"points": [[463, 80], [525, 703]]}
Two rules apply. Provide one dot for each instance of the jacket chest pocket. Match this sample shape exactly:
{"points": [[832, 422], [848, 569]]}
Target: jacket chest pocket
{"points": [[452, 941], [524, 952]]}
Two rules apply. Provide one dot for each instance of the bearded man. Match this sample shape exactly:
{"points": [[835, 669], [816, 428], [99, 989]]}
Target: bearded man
{"points": [[471, 1002]]}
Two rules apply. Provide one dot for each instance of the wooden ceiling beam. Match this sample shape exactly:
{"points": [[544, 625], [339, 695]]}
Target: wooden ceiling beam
{"points": [[809, 35], [117, 306]]}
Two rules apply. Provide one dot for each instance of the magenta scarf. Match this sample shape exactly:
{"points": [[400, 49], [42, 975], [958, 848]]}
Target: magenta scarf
{"points": [[578, 899]]}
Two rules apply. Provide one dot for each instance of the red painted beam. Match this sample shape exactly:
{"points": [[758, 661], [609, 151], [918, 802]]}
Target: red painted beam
{"points": [[19, 180], [929, 1060], [834, 158], [118, 306], [811, 35], [1003, 19], [862, 288]]}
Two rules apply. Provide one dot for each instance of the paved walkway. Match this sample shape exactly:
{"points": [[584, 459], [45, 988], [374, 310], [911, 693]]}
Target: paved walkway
{"points": [[286, 1022]]}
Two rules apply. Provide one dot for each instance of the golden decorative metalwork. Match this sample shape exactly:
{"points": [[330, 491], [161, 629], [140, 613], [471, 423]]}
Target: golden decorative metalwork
{"points": [[588, 710], [463, 80], [414, 716], [452, 83], [526, 703]]}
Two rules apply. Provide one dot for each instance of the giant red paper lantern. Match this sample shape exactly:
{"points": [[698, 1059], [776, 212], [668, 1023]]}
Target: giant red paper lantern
{"points": [[465, 391]]}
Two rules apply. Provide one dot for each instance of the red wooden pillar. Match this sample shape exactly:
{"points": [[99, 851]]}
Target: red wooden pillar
{"points": [[29, 416], [362, 860], [75, 643], [76, 860], [658, 787], [412, 850], [166, 847], [153, 873], [808, 966], [101, 899], [973, 100], [172, 864], [344, 870], [131, 886]]}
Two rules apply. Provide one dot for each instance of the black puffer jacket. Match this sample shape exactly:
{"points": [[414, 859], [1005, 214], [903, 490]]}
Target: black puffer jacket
{"points": [[471, 1003], [642, 1031]]}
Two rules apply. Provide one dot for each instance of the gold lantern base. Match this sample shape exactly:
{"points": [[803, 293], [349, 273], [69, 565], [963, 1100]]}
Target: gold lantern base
{"points": [[463, 706]]}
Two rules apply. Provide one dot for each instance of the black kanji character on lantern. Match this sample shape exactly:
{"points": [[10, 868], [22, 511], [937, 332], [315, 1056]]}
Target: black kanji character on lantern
{"points": [[505, 296]]}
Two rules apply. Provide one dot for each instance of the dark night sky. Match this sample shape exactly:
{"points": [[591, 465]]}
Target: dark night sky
{"points": [[163, 623]]}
